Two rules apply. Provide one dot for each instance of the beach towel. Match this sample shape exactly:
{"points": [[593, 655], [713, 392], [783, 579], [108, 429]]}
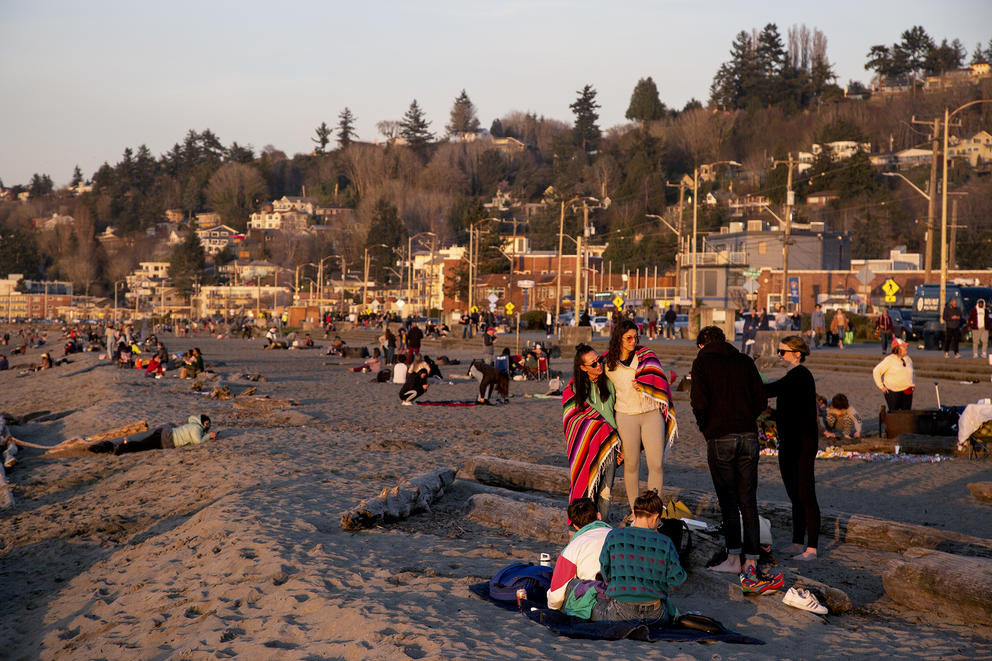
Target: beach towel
{"points": [[651, 377], [575, 627], [466, 402], [591, 442]]}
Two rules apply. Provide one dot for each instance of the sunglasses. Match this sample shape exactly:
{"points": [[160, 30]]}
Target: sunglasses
{"points": [[782, 352], [595, 363]]}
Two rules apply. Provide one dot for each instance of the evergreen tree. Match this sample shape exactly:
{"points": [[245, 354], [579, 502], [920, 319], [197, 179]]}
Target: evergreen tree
{"points": [[19, 252], [41, 184], [463, 119], [585, 131], [386, 228], [645, 104], [238, 154], [186, 263], [946, 57], [978, 55], [414, 127], [323, 137], [77, 176], [496, 129], [346, 128]]}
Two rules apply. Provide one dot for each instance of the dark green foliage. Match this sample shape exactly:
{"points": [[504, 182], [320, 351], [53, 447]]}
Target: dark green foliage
{"points": [[41, 184], [645, 104], [19, 253], [187, 262], [322, 137], [463, 119], [386, 228], [415, 128], [346, 128], [77, 176], [496, 129], [586, 131]]}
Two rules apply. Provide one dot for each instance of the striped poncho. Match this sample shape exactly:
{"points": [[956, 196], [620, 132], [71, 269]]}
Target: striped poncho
{"points": [[653, 381], [592, 442]]}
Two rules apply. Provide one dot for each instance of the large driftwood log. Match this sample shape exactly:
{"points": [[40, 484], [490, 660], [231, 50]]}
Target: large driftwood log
{"points": [[835, 599], [9, 453], [959, 588], [120, 432], [526, 519], [407, 497], [850, 528], [515, 474], [262, 402], [6, 493], [981, 490]]}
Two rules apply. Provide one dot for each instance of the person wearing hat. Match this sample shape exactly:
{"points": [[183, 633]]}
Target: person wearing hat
{"points": [[894, 377], [489, 344], [798, 431], [979, 321], [195, 431]]}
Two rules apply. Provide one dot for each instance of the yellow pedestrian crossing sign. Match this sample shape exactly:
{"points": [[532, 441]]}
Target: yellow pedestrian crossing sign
{"points": [[509, 308], [474, 308], [618, 302], [890, 288]]}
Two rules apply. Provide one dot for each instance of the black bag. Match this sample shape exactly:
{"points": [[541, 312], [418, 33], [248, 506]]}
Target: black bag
{"points": [[677, 531], [939, 423]]}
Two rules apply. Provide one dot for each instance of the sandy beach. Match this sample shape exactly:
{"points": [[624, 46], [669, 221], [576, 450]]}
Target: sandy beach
{"points": [[234, 548]]}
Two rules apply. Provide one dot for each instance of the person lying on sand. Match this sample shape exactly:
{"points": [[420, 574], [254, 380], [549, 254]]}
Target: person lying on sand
{"points": [[195, 431]]}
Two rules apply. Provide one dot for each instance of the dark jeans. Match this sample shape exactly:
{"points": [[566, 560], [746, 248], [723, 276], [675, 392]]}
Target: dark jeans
{"points": [[611, 610], [795, 462], [899, 401], [733, 461], [159, 438], [747, 335], [886, 338], [951, 338]]}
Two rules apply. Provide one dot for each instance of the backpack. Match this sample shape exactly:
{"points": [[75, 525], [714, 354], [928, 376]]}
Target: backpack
{"points": [[677, 531], [535, 579]]}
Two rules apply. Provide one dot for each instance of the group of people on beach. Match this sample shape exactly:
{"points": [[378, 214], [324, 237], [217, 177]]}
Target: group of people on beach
{"points": [[619, 403]]}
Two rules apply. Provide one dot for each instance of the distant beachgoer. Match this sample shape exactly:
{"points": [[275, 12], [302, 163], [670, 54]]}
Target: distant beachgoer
{"points": [[414, 337], [798, 434], [489, 344], [416, 385], [818, 325], [839, 326], [979, 321], [894, 377], [195, 431], [952, 327], [884, 329], [842, 418]]}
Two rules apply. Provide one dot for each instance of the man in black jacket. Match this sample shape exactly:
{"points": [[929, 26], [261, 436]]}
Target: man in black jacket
{"points": [[727, 396]]}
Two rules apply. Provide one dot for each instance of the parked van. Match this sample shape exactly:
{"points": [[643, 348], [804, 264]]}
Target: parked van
{"points": [[926, 303]]}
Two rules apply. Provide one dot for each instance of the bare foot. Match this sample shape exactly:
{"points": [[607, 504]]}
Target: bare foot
{"points": [[793, 548], [732, 565], [806, 556]]}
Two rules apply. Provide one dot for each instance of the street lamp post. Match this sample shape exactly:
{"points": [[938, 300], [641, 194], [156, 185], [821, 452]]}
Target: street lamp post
{"points": [[409, 256], [678, 235], [561, 234], [929, 237], [473, 256], [365, 280], [695, 218]]}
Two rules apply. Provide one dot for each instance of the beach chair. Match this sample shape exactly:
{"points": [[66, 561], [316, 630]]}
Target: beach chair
{"points": [[502, 363]]}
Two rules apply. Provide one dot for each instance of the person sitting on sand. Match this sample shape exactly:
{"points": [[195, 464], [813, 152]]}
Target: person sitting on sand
{"points": [[640, 566], [195, 431], [574, 584], [192, 364], [416, 384], [337, 347], [842, 418], [372, 364], [4, 365], [156, 366], [308, 341]]}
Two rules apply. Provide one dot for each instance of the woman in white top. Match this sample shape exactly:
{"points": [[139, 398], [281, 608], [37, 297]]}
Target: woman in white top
{"points": [[894, 377], [639, 419]]}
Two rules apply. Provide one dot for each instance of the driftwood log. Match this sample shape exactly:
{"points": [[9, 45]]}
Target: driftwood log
{"points": [[835, 599], [958, 587], [908, 444], [526, 519], [858, 529], [261, 402], [981, 490], [407, 497], [6, 443], [518, 475]]}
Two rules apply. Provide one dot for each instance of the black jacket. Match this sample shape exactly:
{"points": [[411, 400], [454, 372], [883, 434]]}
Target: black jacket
{"points": [[727, 395], [795, 408]]}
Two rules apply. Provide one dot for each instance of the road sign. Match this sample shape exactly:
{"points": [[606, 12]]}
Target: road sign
{"points": [[400, 303], [618, 302], [890, 298], [509, 307], [492, 307], [865, 275], [752, 273], [525, 284], [474, 308], [890, 288], [794, 289], [492, 298], [751, 285]]}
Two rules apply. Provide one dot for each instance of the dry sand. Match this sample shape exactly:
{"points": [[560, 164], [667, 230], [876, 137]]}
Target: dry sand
{"points": [[234, 548]]}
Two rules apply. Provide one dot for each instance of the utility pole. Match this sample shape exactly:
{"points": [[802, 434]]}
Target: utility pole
{"points": [[561, 237], [578, 274], [471, 264], [790, 201], [585, 253], [951, 260], [932, 202], [682, 185]]}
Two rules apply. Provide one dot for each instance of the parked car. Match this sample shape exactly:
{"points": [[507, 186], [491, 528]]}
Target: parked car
{"points": [[599, 324], [902, 323]]}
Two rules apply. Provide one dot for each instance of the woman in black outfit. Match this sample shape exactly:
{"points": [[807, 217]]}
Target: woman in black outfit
{"points": [[798, 438]]}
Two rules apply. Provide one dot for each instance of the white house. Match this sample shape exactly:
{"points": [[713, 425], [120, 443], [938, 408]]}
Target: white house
{"points": [[287, 221], [216, 238]]}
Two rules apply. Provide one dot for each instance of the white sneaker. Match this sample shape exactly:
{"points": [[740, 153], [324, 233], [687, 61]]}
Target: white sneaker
{"points": [[803, 600], [407, 403]]}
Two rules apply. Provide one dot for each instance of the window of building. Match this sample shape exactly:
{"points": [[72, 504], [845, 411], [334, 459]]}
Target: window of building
{"points": [[709, 283], [763, 245]]}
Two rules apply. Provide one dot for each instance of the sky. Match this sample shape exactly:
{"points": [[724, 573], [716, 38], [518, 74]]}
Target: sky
{"points": [[80, 82]]}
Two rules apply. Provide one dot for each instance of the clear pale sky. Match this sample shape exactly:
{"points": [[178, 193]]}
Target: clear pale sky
{"points": [[79, 82]]}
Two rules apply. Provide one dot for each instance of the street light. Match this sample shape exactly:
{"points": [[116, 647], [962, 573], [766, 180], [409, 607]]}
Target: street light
{"points": [[928, 262], [695, 211], [365, 281], [678, 236], [473, 256], [409, 257], [943, 202], [561, 234]]}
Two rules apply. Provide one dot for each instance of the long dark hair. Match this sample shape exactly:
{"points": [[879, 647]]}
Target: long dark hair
{"points": [[619, 328], [582, 384]]}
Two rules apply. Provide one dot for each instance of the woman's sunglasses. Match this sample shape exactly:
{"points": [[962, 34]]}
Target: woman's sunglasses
{"points": [[594, 363], [782, 352]]}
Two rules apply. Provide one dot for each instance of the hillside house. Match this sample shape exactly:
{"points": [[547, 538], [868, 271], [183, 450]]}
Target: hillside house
{"points": [[215, 239]]}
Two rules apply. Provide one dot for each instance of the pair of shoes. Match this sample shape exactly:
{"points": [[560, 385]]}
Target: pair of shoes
{"points": [[755, 582], [946, 355], [407, 403], [803, 600], [957, 355]]}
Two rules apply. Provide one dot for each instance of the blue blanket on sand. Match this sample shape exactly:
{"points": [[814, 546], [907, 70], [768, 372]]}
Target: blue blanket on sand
{"points": [[576, 627]]}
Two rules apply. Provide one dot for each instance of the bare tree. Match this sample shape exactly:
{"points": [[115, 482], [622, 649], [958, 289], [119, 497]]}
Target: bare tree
{"points": [[233, 192]]}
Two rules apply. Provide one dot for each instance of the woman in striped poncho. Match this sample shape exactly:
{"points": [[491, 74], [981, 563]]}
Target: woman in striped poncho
{"points": [[643, 407]]}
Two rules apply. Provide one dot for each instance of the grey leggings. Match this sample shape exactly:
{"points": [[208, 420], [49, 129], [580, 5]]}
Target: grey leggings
{"points": [[636, 431]]}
